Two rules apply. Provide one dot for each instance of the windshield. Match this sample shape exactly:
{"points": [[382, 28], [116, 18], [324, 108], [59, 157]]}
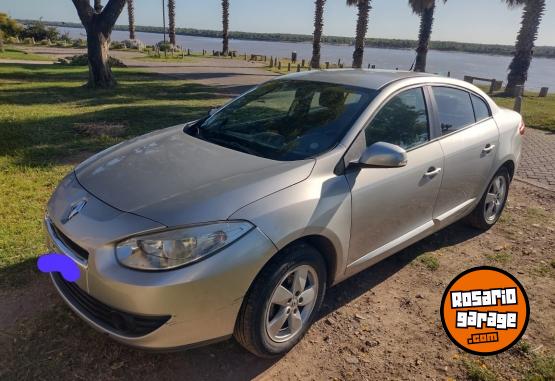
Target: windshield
{"points": [[287, 119]]}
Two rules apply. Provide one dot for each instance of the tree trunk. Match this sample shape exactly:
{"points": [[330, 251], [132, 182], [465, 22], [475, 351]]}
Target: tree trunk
{"points": [[318, 26], [362, 27], [100, 74], [99, 29], [98, 6], [171, 17], [131, 13], [426, 24], [1, 43], [531, 19], [225, 33]]}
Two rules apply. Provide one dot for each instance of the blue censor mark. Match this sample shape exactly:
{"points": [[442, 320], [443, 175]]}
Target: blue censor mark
{"points": [[61, 263]]}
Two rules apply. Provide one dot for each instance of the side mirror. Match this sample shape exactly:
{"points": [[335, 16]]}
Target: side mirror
{"points": [[383, 155]]}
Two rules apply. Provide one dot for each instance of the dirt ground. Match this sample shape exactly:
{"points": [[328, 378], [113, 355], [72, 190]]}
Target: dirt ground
{"points": [[381, 324]]}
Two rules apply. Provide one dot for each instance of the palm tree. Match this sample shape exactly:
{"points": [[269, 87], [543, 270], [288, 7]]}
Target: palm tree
{"points": [[524, 49], [318, 26], [171, 17], [425, 9], [362, 27], [131, 13], [225, 22]]}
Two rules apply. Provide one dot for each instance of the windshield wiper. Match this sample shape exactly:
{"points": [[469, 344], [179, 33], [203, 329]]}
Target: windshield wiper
{"points": [[224, 140]]}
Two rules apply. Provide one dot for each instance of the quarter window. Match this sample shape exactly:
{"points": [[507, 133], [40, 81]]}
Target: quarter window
{"points": [[481, 109], [454, 108], [402, 121]]}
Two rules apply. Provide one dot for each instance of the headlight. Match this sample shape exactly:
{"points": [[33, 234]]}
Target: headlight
{"points": [[174, 248]]}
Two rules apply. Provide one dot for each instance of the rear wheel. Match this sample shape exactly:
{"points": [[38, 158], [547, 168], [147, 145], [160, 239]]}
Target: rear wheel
{"points": [[282, 302], [488, 211]]}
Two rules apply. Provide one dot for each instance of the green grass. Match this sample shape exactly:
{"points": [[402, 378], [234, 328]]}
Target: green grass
{"points": [[542, 369], [477, 371], [538, 112], [430, 261], [10, 53], [500, 257], [39, 108]]}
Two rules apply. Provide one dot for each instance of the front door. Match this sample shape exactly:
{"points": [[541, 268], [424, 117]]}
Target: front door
{"points": [[390, 204]]}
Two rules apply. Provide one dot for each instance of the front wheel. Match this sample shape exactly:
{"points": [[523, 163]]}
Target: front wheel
{"points": [[488, 211], [282, 302]]}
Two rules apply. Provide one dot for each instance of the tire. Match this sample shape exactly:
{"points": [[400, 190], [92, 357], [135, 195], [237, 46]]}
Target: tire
{"points": [[253, 329], [482, 217]]}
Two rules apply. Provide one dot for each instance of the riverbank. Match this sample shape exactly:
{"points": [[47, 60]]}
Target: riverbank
{"points": [[380, 43]]}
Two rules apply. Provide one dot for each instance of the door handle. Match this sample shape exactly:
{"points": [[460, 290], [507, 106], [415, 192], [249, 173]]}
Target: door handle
{"points": [[488, 148], [432, 172]]}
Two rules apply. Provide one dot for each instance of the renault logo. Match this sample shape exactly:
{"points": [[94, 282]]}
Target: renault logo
{"points": [[75, 210]]}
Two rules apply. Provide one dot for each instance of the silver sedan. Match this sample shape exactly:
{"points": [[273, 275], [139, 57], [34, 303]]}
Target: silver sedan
{"points": [[236, 224]]}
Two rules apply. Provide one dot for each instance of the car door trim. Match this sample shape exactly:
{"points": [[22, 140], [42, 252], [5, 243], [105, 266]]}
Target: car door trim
{"points": [[454, 211], [393, 244]]}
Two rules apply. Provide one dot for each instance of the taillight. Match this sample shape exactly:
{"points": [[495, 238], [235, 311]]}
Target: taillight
{"points": [[521, 127]]}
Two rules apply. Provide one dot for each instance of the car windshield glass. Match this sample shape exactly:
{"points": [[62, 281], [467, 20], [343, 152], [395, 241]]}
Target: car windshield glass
{"points": [[287, 119]]}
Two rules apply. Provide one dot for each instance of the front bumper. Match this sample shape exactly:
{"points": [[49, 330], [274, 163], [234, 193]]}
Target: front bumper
{"points": [[171, 309], [156, 310]]}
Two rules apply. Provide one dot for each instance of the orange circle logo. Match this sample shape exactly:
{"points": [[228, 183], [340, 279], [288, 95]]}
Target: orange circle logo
{"points": [[485, 310]]}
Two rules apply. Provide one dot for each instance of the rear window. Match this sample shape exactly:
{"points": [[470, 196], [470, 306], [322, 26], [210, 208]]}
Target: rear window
{"points": [[454, 108], [481, 109]]}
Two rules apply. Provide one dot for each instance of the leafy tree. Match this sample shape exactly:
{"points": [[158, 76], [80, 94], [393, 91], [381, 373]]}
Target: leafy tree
{"points": [[38, 31], [131, 14], [318, 26], [362, 27], [98, 23], [171, 17], [225, 22], [9, 26], [425, 9], [524, 49]]}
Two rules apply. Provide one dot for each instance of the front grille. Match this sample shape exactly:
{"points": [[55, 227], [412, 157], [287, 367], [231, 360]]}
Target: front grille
{"points": [[111, 319], [77, 250]]}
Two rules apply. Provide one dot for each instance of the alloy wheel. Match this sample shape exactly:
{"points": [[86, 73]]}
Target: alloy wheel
{"points": [[495, 199], [291, 303]]}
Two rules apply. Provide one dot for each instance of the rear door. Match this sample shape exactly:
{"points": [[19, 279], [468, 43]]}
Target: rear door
{"points": [[469, 139]]}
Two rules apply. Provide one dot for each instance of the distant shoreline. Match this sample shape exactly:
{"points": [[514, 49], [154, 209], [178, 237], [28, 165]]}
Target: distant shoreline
{"points": [[493, 49]]}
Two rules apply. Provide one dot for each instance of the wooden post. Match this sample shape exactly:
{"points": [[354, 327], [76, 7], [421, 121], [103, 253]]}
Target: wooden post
{"points": [[449, 74], [327, 65], [519, 90], [279, 65], [468, 79], [289, 66], [188, 52], [298, 68], [373, 66], [368, 66], [304, 62], [294, 57], [271, 62], [544, 91], [492, 86], [518, 104], [339, 62]]}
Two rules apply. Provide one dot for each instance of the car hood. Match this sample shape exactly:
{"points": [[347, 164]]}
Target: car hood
{"points": [[176, 179]]}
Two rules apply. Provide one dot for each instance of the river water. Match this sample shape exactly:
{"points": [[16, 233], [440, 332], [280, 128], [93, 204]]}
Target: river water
{"points": [[542, 71]]}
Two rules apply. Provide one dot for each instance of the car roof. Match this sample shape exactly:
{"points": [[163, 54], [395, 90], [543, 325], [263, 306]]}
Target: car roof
{"points": [[373, 79]]}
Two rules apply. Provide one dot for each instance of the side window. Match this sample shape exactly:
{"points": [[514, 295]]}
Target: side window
{"points": [[481, 109], [454, 108], [402, 121]]}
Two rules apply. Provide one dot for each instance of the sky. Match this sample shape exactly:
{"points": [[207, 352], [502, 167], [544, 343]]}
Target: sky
{"points": [[480, 21]]}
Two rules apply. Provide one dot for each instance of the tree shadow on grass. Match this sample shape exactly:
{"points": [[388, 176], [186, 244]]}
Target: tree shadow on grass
{"points": [[72, 353]]}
